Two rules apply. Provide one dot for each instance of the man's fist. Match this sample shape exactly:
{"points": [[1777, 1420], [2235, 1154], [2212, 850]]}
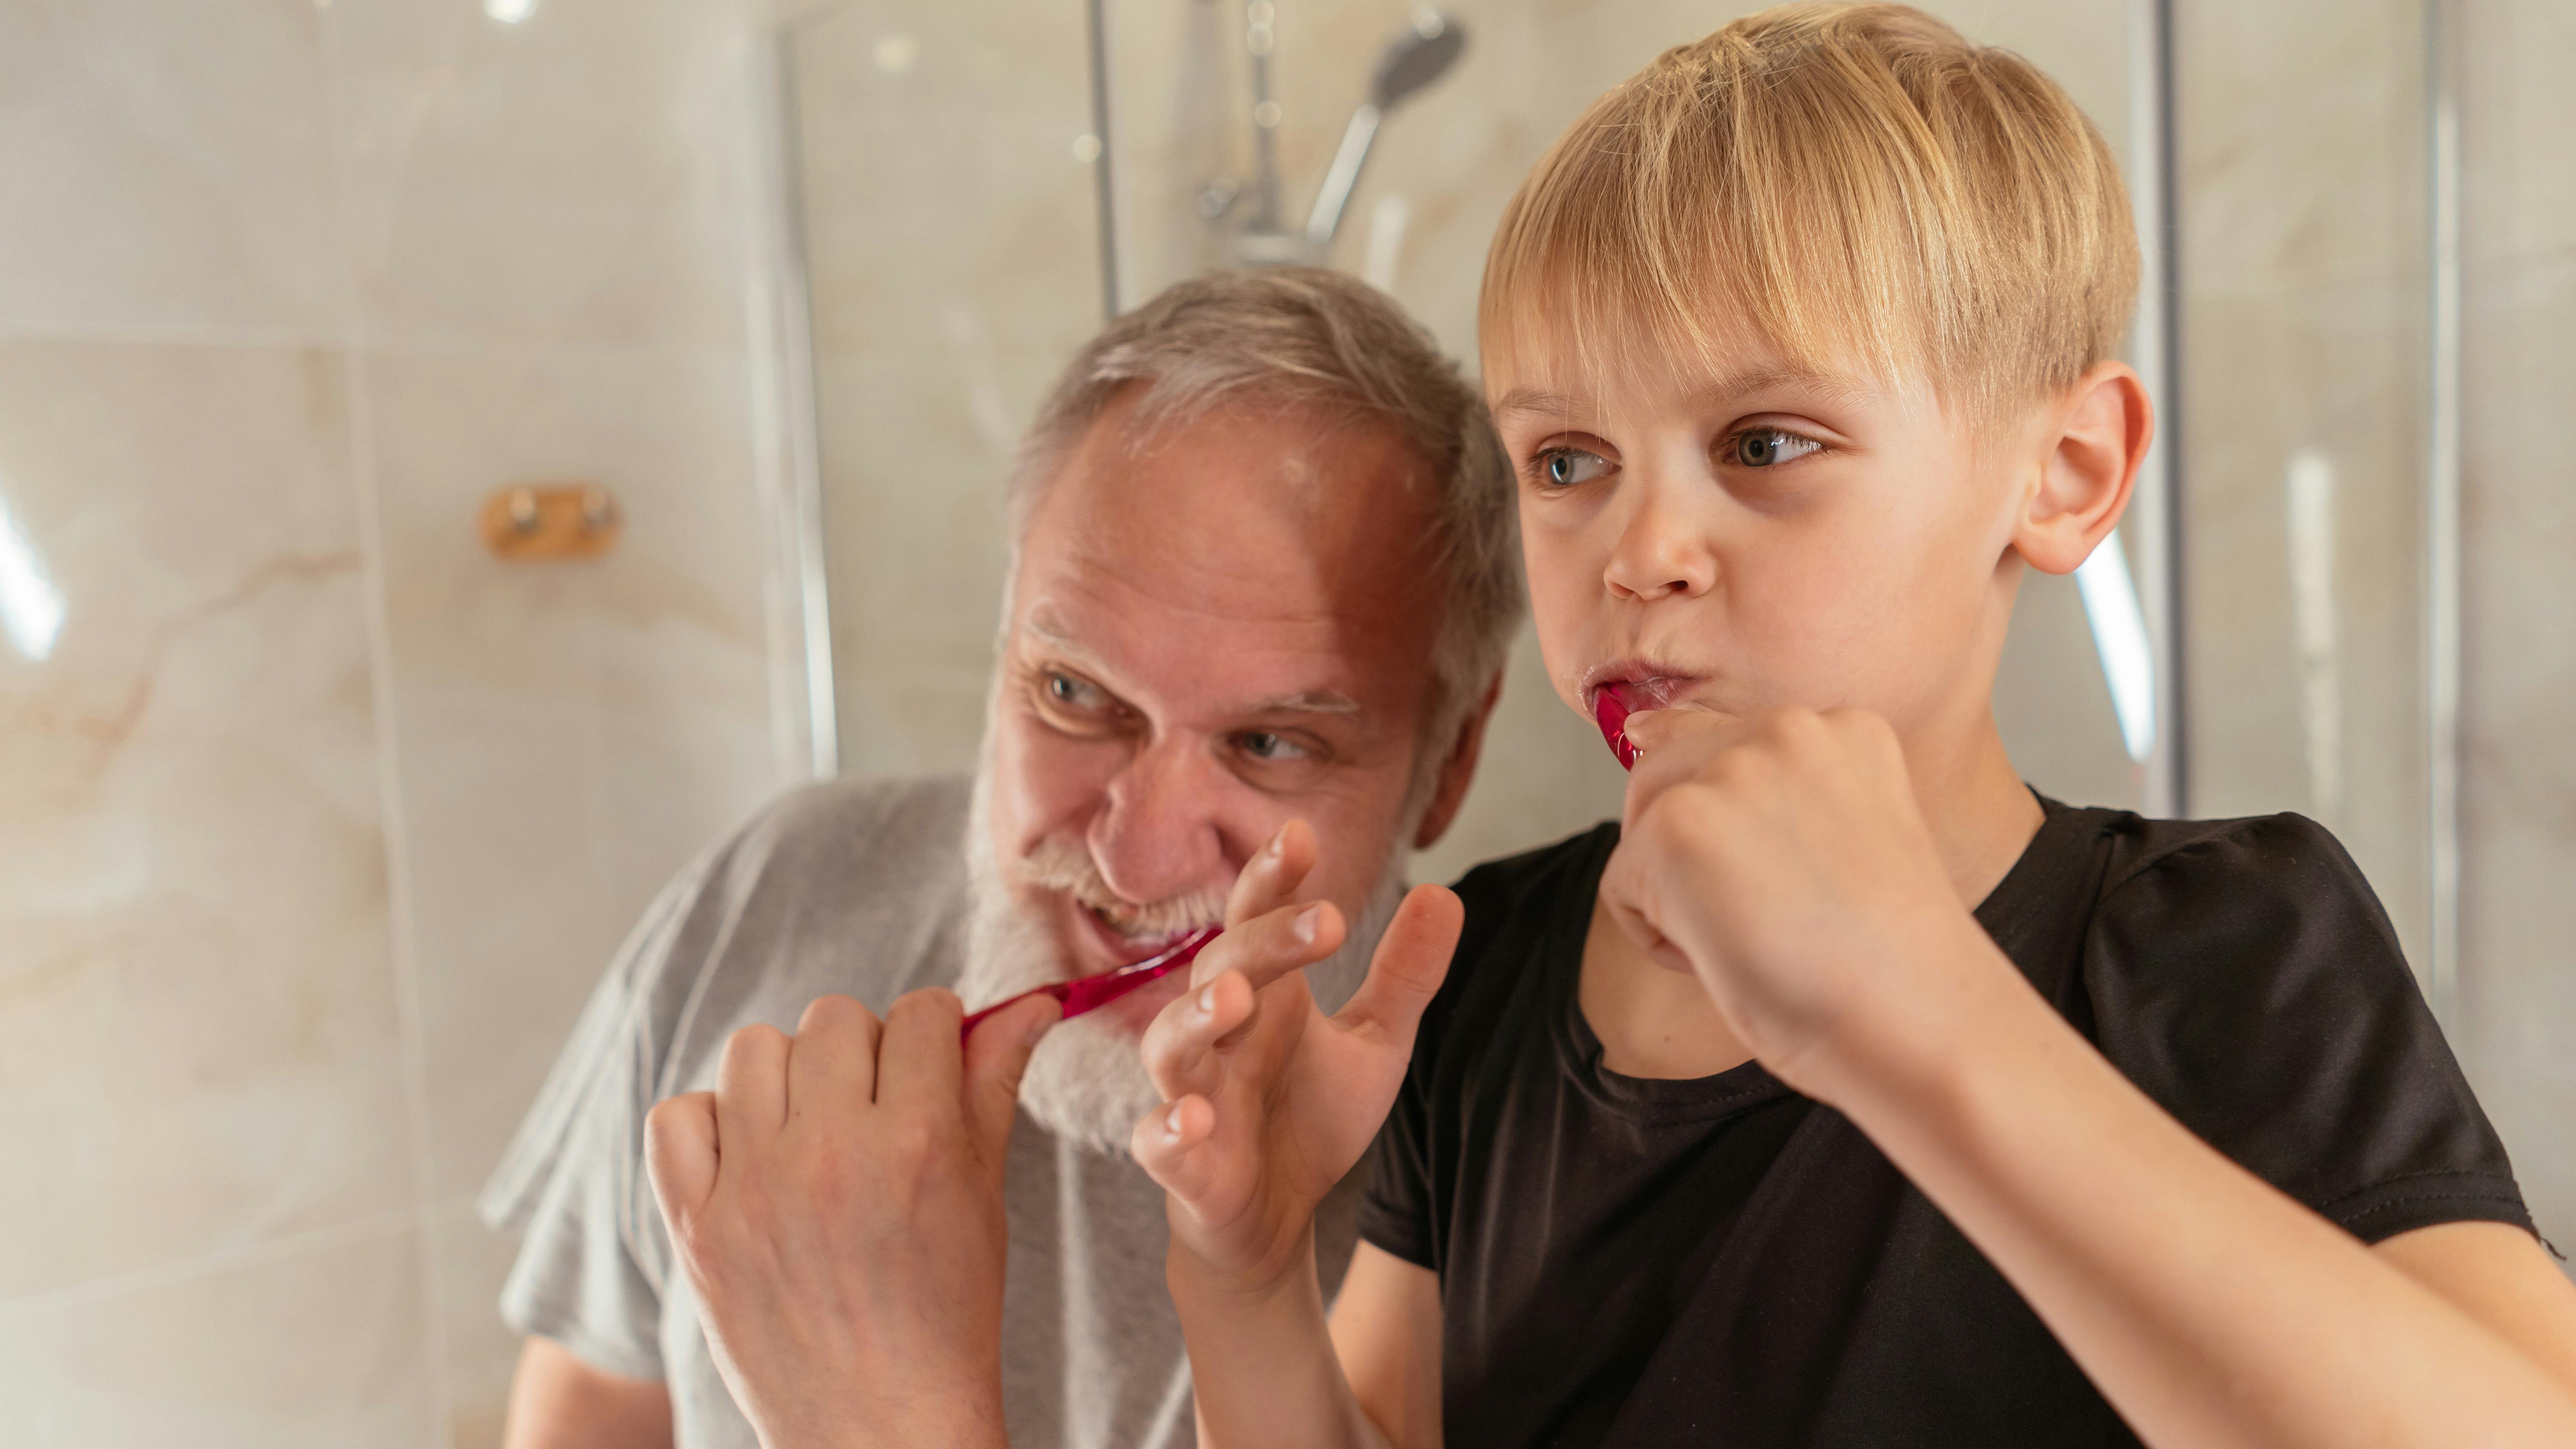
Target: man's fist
{"points": [[837, 1205]]}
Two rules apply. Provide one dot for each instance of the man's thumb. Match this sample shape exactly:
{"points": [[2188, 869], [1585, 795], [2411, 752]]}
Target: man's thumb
{"points": [[997, 1054]]}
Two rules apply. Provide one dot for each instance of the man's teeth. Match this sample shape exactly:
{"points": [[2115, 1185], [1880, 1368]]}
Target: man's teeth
{"points": [[1155, 939]]}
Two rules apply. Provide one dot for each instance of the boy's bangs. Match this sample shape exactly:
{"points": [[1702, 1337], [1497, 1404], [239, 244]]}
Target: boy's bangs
{"points": [[1854, 188]]}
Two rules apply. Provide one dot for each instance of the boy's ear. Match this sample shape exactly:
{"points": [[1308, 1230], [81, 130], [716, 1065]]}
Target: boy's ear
{"points": [[2097, 437]]}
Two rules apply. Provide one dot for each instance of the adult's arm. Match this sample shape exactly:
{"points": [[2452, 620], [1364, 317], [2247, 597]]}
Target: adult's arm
{"points": [[559, 1402]]}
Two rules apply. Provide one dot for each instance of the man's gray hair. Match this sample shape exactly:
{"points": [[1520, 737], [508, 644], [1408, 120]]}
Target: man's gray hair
{"points": [[1306, 337]]}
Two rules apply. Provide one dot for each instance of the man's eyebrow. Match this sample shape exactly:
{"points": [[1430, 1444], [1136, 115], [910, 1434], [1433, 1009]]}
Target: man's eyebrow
{"points": [[1311, 701]]}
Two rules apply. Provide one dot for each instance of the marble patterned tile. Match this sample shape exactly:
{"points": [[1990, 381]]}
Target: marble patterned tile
{"points": [[198, 1043], [2301, 143], [168, 173], [579, 176], [2518, 811], [321, 1348], [2518, 194], [571, 732], [469, 1263], [2334, 370]]}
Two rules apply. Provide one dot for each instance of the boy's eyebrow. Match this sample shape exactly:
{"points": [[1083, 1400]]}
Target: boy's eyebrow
{"points": [[1522, 402], [1840, 387], [1531, 401]]}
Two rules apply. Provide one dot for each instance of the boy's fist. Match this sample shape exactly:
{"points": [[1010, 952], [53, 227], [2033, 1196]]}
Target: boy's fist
{"points": [[1268, 1101], [1784, 861]]}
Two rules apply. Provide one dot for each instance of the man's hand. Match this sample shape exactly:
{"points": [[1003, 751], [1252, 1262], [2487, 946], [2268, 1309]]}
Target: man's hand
{"points": [[1269, 1101], [837, 1203], [1784, 861]]}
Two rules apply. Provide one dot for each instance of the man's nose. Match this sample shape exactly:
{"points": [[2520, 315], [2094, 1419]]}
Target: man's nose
{"points": [[1159, 836], [1663, 549]]}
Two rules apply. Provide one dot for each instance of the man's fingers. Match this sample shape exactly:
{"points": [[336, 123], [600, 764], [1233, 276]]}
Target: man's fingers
{"points": [[921, 1063], [1166, 1144], [1270, 879], [1412, 960], [997, 1055], [680, 1156], [1180, 1046], [751, 1086], [832, 1064]]}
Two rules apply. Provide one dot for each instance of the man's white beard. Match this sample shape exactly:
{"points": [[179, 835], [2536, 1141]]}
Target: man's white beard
{"points": [[1087, 1082]]}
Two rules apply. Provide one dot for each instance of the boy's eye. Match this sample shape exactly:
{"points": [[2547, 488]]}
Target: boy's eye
{"points": [[1768, 447], [1569, 467]]}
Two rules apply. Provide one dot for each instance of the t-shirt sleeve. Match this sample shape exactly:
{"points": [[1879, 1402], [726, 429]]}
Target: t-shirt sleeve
{"points": [[2249, 982], [1397, 1213], [593, 1256]]}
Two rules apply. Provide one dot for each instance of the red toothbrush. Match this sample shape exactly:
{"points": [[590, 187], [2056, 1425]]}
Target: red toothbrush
{"points": [[1611, 712], [1089, 993]]}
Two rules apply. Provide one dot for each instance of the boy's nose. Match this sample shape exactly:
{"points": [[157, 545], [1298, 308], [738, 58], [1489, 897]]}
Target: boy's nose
{"points": [[1159, 836], [1659, 553]]}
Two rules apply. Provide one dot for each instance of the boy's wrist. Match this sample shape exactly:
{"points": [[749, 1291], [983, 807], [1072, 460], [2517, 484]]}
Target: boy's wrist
{"points": [[1931, 1048]]}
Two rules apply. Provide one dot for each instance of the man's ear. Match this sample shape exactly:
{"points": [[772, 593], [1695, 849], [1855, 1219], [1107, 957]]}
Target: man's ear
{"points": [[1458, 769], [2097, 440]]}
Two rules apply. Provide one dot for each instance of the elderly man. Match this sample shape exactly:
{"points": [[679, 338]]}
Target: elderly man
{"points": [[1263, 571]]}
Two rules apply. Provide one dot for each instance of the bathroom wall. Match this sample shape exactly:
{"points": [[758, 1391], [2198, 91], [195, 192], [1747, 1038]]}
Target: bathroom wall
{"points": [[2305, 279], [320, 821], [2516, 1013]]}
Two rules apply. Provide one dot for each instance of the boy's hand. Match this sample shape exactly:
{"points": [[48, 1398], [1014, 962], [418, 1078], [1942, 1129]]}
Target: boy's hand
{"points": [[837, 1204], [1784, 861], [1268, 1101]]}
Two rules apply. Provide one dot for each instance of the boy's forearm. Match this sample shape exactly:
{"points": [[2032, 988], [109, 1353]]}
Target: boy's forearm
{"points": [[2209, 1307], [1262, 1365]]}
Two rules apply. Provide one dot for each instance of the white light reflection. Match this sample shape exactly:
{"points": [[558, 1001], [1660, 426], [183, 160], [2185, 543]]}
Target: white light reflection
{"points": [[2310, 489], [31, 608], [509, 12], [2120, 637]]}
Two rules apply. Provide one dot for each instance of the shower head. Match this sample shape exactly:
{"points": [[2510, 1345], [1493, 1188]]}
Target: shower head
{"points": [[1421, 54]]}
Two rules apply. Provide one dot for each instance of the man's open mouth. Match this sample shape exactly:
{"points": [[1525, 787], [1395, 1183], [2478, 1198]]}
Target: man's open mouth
{"points": [[1128, 940]]}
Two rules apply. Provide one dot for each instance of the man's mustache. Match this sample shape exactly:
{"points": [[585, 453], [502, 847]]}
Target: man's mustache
{"points": [[1057, 864]]}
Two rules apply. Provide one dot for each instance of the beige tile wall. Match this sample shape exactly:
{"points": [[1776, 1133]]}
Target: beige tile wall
{"points": [[2517, 1008], [319, 822]]}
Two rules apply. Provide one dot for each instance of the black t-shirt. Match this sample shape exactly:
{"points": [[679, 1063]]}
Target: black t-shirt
{"points": [[1634, 1262]]}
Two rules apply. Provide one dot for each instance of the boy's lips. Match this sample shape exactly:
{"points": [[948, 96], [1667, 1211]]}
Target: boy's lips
{"points": [[1620, 690]]}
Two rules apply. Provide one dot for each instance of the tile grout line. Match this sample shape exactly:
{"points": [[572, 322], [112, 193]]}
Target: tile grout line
{"points": [[207, 1265], [366, 486]]}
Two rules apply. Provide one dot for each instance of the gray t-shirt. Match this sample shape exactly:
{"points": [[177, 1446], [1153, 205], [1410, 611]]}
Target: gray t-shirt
{"points": [[856, 887]]}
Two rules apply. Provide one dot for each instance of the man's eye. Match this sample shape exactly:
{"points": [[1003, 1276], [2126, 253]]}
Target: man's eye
{"points": [[1263, 745], [1569, 467], [1768, 448], [1073, 693]]}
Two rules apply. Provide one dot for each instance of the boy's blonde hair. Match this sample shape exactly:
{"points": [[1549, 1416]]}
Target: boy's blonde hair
{"points": [[1858, 183]]}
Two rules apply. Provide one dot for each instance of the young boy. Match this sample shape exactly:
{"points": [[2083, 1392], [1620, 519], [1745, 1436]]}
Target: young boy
{"points": [[1845, 1092]]}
